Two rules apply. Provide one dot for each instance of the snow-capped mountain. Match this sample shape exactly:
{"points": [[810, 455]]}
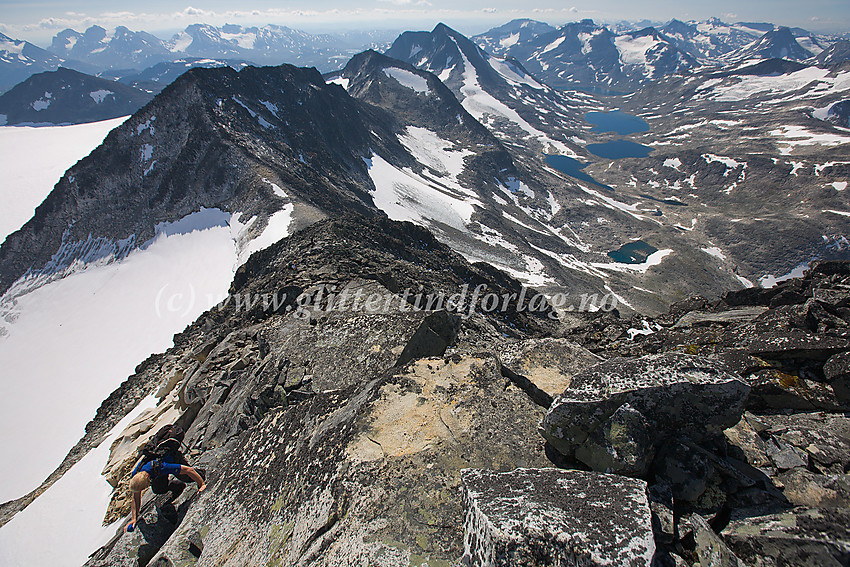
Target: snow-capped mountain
{"points": [[500, 93], [516, 32], [585, 55], [265, 45], [775, 44], [155, 78], [19, 59], [120, 48], [65, 96], [709, 41]]}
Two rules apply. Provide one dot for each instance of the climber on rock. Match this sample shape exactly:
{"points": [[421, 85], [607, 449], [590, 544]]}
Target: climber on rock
{"points": [[161, 457]]}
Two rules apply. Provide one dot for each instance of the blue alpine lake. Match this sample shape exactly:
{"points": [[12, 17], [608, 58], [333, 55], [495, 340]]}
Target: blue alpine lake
{"points": [[573, 168], [632, 253], [616, 121], [617, 149]]}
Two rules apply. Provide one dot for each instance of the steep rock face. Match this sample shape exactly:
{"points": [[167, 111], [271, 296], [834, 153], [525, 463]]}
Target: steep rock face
{"points": [[476, 78], [837, 53], [371, 472], [543, 517], [69, 97]]}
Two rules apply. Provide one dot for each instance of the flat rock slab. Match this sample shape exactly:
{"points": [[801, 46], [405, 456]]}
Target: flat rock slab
{"points": [[548, 363], [674, 395], [798, 538], [743, 315], [556, 517]]}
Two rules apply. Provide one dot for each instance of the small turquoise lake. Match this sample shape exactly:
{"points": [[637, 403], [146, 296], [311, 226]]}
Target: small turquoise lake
{"points": [[616, 121], [633, 253], [617, 149]]}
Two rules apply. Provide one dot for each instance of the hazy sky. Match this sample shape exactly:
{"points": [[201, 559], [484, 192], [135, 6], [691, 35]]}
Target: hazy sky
{"points": [[38, 21]]}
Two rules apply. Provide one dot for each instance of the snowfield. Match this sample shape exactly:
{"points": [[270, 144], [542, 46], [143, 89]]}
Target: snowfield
{"points": [[408, 79], [75, 340], [32, 161], [63, 526]]}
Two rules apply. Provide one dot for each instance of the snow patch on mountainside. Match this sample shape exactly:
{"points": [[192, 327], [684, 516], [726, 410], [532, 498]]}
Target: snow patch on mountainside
{"points": [[76, 339], [439, 154], [276, 229], [633, 49], [33, 160], [513, 74], [65, 524], [408, 79], [800, 136], [99, 95], [404, 195], [819, 82]]}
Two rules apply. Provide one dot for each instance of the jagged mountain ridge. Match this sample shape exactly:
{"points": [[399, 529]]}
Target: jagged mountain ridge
{"points": [[21, 59], [157, 77], [526, 114], [586, 55], [65, 96], [123, 49], [281, 127]]}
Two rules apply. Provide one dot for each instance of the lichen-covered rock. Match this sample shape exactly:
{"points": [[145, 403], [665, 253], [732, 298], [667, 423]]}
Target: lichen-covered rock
{"points": [[786, 456], [710, 549], [743, 315], [158, 518], [663, 514], [744, 438], [798, 538], [837, 373], [677, 395], [772, 389], [556, 517], [622, 445], [823, 437], [805, 488]]}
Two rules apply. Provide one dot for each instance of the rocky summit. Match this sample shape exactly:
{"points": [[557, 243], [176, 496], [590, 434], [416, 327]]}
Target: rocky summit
{"points": [[355, 402]]}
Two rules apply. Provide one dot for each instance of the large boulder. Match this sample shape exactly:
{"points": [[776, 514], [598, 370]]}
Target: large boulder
{"points": [[837, 372], [556, 517], [621, 406]]}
